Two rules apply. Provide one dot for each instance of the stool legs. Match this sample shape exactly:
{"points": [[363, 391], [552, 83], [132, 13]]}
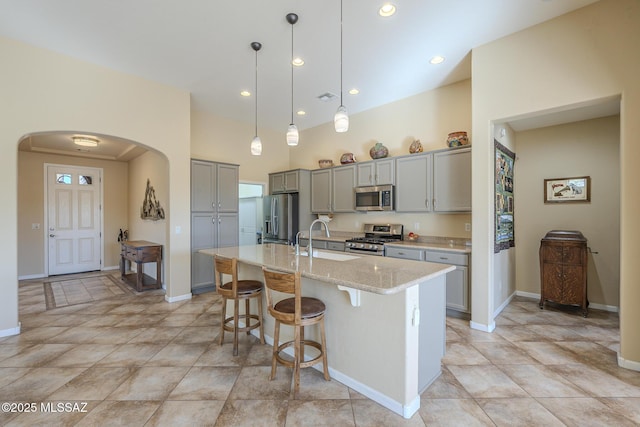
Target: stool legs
{"points": [[276, 349], [247, 316]]}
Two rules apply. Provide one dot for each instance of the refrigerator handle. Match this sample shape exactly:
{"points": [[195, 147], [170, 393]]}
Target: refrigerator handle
{"points": [[274, 217]]}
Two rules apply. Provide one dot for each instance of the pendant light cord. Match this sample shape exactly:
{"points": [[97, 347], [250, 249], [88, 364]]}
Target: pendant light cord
{"points": [[256, 93], [291, 73], [341, 53]]}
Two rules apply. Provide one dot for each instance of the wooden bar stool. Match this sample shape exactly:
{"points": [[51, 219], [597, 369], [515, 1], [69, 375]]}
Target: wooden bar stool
{"points": [[298, 312], [237, 290]]}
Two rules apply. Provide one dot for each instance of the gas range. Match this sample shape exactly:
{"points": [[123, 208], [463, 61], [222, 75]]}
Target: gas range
{"points": [[375, 236]]}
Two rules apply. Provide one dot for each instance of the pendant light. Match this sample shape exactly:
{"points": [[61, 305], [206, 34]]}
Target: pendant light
{"points": [[256, 143], [341, 119], [292, 131]]}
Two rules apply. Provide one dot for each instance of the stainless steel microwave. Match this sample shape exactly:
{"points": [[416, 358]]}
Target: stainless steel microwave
{"points": [[374, 198]]}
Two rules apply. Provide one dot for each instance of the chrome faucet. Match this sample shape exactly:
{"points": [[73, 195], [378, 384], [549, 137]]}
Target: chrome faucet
{"points": [[297, 242], [326, 228]]}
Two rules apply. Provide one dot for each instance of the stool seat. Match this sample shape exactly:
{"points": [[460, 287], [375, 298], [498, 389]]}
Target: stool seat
{"points": [[244, 286], [311, 307]]}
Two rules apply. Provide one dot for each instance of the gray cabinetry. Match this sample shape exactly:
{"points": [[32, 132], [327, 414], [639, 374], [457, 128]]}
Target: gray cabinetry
{"points": [[376, 172], [413, 183], [321, 191], [438, 181], [214, 216], [343, 180], [458, 292], [332, 189], [457, 280], [452, 180], [284, 182], [323, 244]]}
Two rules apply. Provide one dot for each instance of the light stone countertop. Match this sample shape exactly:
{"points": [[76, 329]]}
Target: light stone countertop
{"points": [[432, 246], [376, 274]]}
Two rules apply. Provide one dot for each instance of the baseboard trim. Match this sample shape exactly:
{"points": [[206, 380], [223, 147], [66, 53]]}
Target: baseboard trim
{"points": [[628, 364], [482, 327], [184, 297], [603, 307], [503, 305], [32, 276], [11, 331], [406, 411]]}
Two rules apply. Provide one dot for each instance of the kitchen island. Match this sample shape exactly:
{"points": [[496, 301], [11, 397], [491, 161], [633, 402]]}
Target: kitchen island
{"points": [[385, 317]]}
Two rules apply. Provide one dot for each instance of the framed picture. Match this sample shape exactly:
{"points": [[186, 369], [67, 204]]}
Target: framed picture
{"points": [[563, 190], [504, 208]]}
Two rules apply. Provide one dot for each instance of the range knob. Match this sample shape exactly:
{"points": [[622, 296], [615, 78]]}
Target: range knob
{"points": [[361, 245]]}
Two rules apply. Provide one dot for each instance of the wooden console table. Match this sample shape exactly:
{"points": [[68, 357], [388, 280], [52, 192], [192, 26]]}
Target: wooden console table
{"points": [[140, 252]]}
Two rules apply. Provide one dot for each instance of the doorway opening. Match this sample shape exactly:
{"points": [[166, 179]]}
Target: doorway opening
{"points": [[250, 213], [73, 219]]}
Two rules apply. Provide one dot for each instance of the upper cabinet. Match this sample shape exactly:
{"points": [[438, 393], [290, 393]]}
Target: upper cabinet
{"points": [[332, 189], [413, 179], [376, 172], [284, 182], [438, 181], [452, 180], [321, 191], [214, 187], [342, 194]]}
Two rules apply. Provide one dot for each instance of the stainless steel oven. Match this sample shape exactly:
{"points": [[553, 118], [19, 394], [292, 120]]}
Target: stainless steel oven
{"points": [[374, 198], [375, 236]]}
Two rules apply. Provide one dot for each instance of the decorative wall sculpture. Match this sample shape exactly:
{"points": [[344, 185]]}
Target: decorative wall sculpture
{"points": [[504, 227], [151, 208]]}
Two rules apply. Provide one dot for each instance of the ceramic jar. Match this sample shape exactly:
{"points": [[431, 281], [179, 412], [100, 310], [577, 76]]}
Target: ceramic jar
{"points": [[378, 151], [415, 147], [325, 163], [347, 158], [456, 139]]}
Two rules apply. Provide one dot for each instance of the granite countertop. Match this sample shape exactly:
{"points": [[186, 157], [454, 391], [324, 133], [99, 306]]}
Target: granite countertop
{"points": [[376, 274], [447, 247]]}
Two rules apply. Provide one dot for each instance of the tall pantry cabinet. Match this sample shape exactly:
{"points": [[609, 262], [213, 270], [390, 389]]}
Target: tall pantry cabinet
{"points": [[214, 217]]}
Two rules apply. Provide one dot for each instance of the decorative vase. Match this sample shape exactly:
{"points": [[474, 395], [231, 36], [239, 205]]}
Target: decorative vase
{"points": [[325, 163], [347, 158], [378, 151], [415, 147], [456, 139]]}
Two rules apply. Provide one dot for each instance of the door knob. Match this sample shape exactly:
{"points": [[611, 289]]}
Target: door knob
{"points": [[52, 235]]}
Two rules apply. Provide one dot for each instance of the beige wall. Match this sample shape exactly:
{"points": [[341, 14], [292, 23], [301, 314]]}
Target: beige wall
{"points": [[228, 141], [152, 166], [576, 59], [586, 148], [429, 117], [45, 91], [31, 256]]}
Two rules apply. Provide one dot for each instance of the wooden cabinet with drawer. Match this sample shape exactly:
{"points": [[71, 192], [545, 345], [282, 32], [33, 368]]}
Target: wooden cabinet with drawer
{"points": [[563, 269]]}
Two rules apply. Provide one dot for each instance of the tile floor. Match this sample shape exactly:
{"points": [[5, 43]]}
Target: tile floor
{"points": [[136, 360]]}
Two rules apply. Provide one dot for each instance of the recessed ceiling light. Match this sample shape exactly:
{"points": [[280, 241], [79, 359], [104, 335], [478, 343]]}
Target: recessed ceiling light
{"points": [[354, 91], [245, 93], [298, 62], [437, 59], [301, 113], [85, 141], [386, 10]]}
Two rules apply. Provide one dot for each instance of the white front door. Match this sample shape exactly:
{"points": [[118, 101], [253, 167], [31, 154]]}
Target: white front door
{"points": [[74, 219]]}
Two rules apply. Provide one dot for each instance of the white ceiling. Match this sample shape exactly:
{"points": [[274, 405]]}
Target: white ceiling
{"points": [[203, 46]]}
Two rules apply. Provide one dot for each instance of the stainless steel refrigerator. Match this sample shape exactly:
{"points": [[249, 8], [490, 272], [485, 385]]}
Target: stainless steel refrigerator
{"points": [[280, 223]]}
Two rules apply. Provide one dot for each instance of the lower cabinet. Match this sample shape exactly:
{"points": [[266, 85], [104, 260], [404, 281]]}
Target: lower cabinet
{"points": [[323, 244], [458, 289]]}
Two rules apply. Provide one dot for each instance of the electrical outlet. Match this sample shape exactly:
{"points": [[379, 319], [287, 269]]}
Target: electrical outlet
{"points": [[416, 226], [467, 226]]}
